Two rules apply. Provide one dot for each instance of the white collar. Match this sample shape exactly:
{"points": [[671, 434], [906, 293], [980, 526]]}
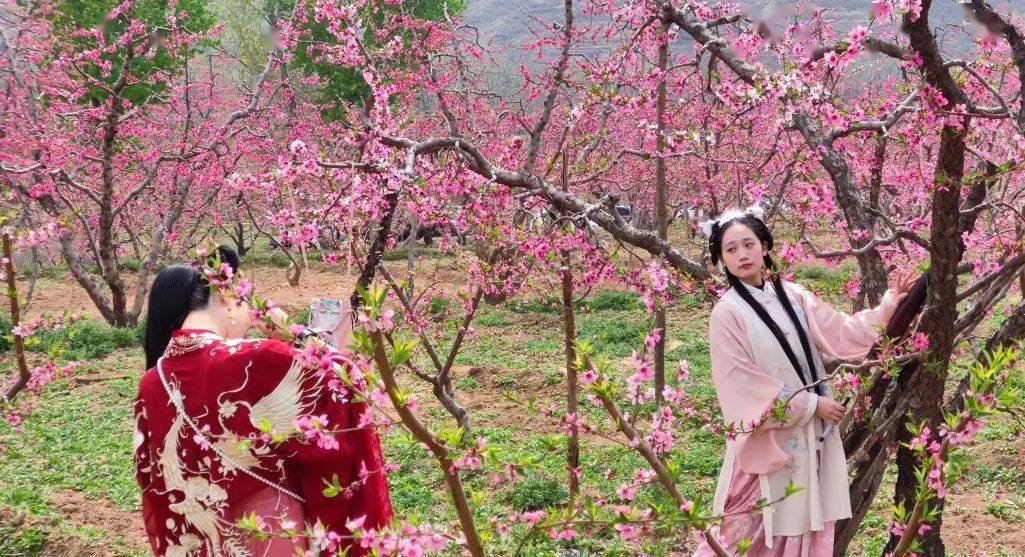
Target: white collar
{"points": [[766, 293]]}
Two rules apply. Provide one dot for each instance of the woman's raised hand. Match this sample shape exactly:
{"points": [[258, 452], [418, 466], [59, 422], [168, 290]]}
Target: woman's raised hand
{"points": [[830, 410], [901, 283], [280, 320]]}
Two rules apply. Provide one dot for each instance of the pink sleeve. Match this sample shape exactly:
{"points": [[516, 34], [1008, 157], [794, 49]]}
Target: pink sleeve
{"points": [[746, 393], [843, 336]]}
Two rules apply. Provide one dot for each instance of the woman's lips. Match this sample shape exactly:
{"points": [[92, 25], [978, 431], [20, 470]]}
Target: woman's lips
{"points": [[747, 265]]}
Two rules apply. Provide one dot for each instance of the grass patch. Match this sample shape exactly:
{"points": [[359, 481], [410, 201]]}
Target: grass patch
{"points": [[25, 499], [1008, 511], [85, 340], [74, 440], [612, 300], [498, 348], [268, 259], [401, 253], [14, 541], [539, 493], [821, 279], [545, 305], [613, 337], [493, 319]]}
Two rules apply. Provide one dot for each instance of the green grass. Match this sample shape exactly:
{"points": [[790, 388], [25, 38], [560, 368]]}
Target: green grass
{"points": [[545, 305], [27, 541], [273, 258], [494, 318], [539, 493], [616, 338], [612, 300], [824, 280], [87, 339], [74, 441], [401, 253], [500, 348]]}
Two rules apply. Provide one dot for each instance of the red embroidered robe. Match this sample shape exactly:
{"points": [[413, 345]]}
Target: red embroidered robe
{"points": [[206, 468]]}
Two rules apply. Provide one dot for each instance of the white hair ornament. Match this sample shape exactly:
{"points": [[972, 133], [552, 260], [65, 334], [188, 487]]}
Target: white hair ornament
{"points": [[708, 226]]}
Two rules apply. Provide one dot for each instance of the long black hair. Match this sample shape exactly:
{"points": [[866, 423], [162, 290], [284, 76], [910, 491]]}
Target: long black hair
{"points": [[761, 231], [176, 291]]}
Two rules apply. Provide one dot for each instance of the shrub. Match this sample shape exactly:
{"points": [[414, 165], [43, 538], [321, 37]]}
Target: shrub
{"points": [[438, 305], [538, 493], [612, 300], [88, 339], [6, 341], [29, 541]]}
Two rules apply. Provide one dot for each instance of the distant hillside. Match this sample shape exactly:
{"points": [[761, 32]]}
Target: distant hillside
{"points": [[506, 21]]}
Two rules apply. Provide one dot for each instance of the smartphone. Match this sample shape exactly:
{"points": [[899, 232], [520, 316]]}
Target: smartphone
{"points": [[326, 315]]}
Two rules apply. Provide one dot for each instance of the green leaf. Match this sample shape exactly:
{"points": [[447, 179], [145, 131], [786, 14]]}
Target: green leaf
{"points": [[402, 352], [331, 488]]}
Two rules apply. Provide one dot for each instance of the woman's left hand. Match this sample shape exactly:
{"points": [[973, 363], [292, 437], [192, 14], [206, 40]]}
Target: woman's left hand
{"points": [[901, 282], [280, 319]]}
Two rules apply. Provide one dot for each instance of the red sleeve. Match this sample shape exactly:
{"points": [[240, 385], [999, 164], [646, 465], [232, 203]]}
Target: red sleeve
{"points": [[144, 473], [358, 453]]}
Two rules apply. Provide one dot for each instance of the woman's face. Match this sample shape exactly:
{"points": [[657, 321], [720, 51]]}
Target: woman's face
{"points": [[743, 254]]}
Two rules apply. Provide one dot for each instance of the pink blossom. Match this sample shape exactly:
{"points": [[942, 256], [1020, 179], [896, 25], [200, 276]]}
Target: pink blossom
{"points": [[831, 59], [858, 34], [533, 517], [627, 531], [882, 8]]}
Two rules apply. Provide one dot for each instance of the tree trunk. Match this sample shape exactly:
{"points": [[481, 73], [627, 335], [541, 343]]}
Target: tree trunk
{"points": [[661, 207], [937, 322], [570, 336], [15, 306], [376, 252]]}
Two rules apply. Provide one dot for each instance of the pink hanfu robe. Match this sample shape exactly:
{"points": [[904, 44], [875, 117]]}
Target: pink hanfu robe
{"points": [[204, 460], [750, 371]]}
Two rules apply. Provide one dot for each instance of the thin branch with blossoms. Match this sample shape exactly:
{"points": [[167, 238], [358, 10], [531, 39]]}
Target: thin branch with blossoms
{"points": [[604, 390], [15, 309], [989, 393], [372, 307]]}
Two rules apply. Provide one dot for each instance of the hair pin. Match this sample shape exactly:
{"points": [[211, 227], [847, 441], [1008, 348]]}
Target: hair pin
{"points": [[709, 226]]}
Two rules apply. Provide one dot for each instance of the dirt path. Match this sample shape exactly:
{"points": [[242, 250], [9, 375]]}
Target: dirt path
{"points": [[101, 515], [122, 530], [319, 281], [969, 530]]}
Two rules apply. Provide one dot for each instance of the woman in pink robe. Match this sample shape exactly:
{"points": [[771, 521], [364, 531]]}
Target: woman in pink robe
{"points": [[765, 337]]}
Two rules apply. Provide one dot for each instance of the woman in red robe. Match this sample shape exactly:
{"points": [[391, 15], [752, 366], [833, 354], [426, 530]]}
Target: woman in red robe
{"points": [[240, 448]]}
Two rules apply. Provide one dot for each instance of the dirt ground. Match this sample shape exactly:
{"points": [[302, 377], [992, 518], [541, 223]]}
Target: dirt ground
{"points": [[319, 281]]}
